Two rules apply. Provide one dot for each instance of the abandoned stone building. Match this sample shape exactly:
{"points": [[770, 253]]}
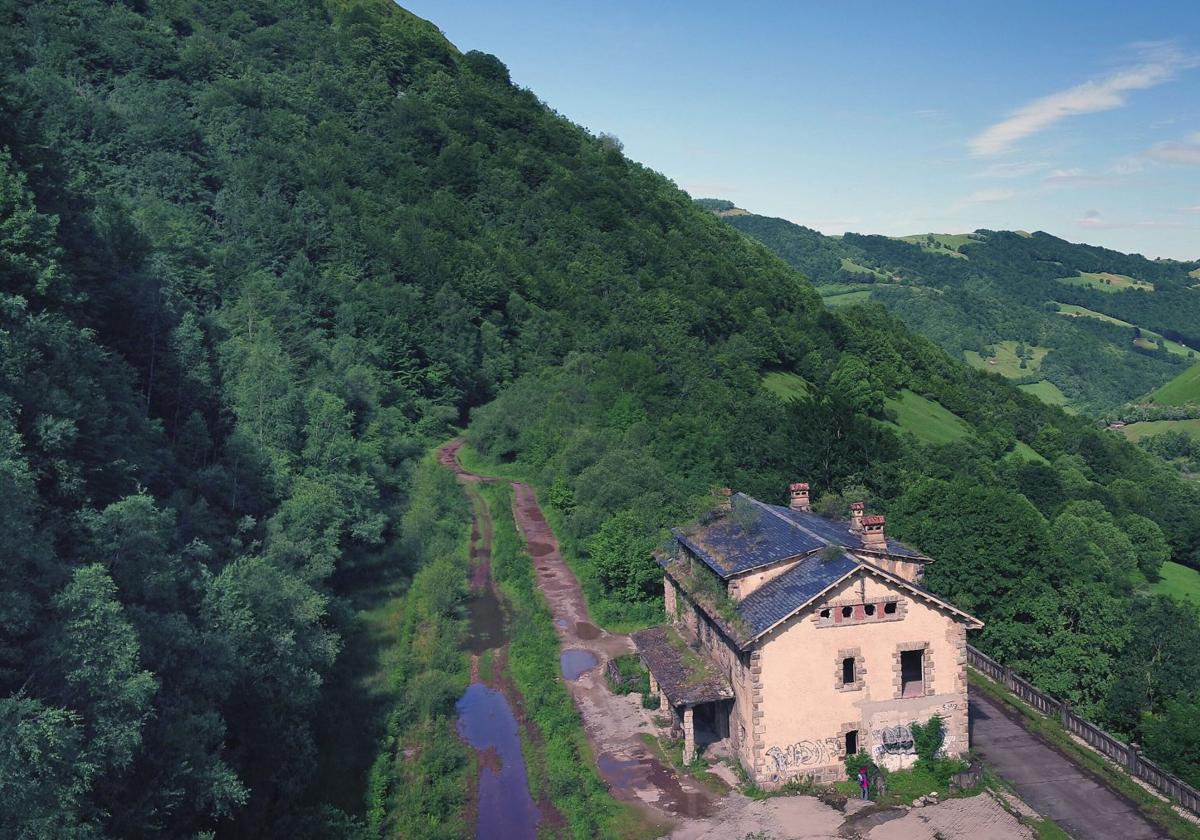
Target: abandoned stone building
{"points": [[794, 640]]}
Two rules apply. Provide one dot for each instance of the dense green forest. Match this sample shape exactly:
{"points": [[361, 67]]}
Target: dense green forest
{"points": [[1107, 343], [256, 258]]}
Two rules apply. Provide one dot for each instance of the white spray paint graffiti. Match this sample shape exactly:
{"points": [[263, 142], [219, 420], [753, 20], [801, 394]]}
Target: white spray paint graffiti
{"points": [[804, 754]]}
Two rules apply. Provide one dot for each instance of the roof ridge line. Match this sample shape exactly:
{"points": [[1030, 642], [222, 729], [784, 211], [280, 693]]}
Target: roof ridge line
{"points": [[789, 521]]}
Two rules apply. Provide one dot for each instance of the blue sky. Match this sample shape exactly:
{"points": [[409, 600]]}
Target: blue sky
{"points": [[1080, 119]]}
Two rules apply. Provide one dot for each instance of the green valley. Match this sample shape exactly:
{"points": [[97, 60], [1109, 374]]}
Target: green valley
{"points": [[262, 258], [1128, 325]]}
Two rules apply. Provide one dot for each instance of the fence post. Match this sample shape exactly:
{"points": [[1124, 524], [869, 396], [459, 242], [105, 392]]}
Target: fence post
{"points": [[1134, 759], [1008, 681], [1064, 714]]}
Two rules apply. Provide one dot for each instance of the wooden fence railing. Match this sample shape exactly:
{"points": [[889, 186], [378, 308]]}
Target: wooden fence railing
{"points": [[1127, 756]]}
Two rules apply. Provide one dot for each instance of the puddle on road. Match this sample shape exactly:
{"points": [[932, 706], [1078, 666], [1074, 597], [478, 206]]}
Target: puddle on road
{"points": [[486, 722], [486, 622], [576, 663], [537, 549], [586, 631], [629, 774]]}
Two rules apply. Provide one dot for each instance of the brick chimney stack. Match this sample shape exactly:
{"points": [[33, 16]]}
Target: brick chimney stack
{"points": [[799, 497], [873, 536], [856, 516]]}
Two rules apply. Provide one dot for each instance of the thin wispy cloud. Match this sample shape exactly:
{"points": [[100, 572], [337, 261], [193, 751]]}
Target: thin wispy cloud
{"points": [[1077, 178], [1159, 63], [1186, 153], [1092, 220], [990, 195], [1012, 169]]}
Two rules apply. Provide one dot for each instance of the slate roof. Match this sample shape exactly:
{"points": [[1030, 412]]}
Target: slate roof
{"points": [[686, 676], [757, 534], [777, 599]]}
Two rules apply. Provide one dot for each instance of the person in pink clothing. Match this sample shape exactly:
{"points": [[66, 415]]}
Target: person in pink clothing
{"points": [[864, 782]]}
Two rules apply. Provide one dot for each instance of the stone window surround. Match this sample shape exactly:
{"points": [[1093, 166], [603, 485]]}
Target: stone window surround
{"points": [[860, 670], [926, 668], [853, 621], [853, 726]]}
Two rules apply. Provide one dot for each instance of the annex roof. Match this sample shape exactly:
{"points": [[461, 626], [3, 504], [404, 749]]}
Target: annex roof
{"points": [[685, 676]]}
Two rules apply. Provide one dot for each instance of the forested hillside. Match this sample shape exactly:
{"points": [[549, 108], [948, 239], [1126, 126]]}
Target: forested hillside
{"points": [[257, 257], [1075, 324]]}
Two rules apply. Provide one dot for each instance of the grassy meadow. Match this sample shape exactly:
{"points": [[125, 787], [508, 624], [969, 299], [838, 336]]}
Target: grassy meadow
{"points": [[1004, 361], [929, 421], [1178, 581], [1106, 281], [787, 386], [1047, 392], [1137, 431], [1183, 389]]}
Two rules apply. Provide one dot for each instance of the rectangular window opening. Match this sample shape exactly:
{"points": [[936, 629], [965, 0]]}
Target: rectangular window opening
{"points": [[848, 670], [912, 673], [852, 742]]}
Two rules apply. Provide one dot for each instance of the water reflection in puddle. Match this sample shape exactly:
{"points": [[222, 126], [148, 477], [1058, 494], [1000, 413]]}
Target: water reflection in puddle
{"points": [[487, 723], [576, 663], [486, 622]]}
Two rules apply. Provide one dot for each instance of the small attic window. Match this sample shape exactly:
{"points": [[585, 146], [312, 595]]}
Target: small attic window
{"points": [[825, 613], [889, 608], [847, 612], [870, 609]]}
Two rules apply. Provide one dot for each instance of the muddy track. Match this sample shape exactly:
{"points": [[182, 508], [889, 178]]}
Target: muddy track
{"points": [[613, 723], [487, 636]]}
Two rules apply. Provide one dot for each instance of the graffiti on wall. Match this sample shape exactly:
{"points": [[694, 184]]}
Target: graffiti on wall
{"points": [[897, 739], [787, 760], [894, 740]]}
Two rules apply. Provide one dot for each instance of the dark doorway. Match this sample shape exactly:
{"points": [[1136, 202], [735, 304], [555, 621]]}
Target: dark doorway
{"points": [[852, 742], [711, 721], [912, 673]]}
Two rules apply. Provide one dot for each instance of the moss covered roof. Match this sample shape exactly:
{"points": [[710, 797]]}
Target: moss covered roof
{"points": [[685, 675]]}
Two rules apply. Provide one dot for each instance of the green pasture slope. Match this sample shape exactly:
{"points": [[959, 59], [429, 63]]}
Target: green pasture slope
{"points": [[1179, 582], [1047, 392], [1004, 354], [787, 386], [1106, 281], [1137, 431], [927, 420], [1183, 389]]}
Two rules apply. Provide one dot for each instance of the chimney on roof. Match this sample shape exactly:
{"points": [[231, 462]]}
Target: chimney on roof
{"points": [[856, 516], [725, 499], [799, 497], [873, 537]]}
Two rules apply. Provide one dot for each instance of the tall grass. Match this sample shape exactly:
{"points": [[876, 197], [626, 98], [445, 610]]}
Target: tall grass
{"points": [[419, 781]]}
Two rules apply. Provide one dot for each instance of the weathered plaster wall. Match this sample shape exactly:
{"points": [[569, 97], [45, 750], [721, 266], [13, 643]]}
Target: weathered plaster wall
{"points": [[693, 624], [740, 587], [806, 710]]}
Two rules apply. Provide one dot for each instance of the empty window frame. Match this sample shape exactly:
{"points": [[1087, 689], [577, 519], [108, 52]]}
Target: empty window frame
{"points": [[912, 673]]}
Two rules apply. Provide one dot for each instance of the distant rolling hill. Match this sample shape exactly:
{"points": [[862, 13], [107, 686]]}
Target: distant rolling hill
{"points": [[1077, 325]]}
